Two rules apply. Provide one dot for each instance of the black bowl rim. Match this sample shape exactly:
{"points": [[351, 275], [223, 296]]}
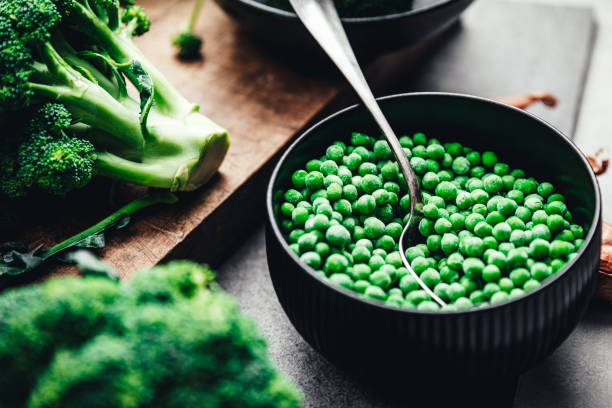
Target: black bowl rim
{"points": [[258, 5], [379, 304]]}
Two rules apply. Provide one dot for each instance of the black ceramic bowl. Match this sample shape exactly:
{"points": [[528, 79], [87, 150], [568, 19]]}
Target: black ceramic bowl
{"points": [[368, 35], [493, 342]]}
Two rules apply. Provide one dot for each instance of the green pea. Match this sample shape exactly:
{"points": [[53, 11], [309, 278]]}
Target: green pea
{"points": [[442, 226], [501, 169], [375, 292], [519, 276], [540, 271], [489, 159], [502, 232], [530, 285], [498, 297], [366, 204], [446, 190], [493, 183], [455, 291], [473, 267], [491, 273], [560, 249]]}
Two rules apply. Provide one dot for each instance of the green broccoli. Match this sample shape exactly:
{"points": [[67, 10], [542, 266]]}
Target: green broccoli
{"points": [[188, 43], [65, 64], [167, 338], [357, 8]]}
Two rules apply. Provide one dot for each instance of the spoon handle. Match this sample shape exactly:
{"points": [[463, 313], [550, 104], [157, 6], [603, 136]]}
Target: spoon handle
{"points": [[322, 21]]}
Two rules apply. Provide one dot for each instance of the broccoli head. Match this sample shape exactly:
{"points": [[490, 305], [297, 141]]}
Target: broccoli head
{"points": [[167, 338], [65, 63]]}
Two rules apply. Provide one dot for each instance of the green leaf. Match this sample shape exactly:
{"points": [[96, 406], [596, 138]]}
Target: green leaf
{"points": [[113, 66], [15, 259], [90, 265], [144, 83]]}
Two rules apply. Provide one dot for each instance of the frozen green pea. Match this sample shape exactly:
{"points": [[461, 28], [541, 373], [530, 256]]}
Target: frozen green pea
{"points": [[473, 267], [559, 249], [491, 273], [518, 238], [455, 261], [472, 220], [286, 209], [523, 213], [461, 165], [464, 200], [385, 242], [430, 180], [361, 271], [480, 196], [540, 271], [506, 284], [530, 285], [298, 179], [335, 152], [376, 262], [477, 297], [449, 243], [361, 254], [446, 190], [455, 291], [492, 183], [426, 227], [366, 204], [515, 223], [434, 243], [462, 303], [381, 279], [375, 292], [490, 289], [556, 223], [420, 264], [519, 276], [483, 229], [336, 263], [489, 159], [342, 279], [498, 297], [442, 226], [545, 189], [502, 232], [419, 165], [307, 242], [501, 169], [490, 242], [329, 167], [445, 175], [541, 231], [295, 235], [517, 258], [506, 206], [314, 180], [555, 197]]}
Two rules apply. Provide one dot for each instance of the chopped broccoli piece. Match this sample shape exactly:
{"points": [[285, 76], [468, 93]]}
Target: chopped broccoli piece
{"points": [[168, 338], [188, 43]]}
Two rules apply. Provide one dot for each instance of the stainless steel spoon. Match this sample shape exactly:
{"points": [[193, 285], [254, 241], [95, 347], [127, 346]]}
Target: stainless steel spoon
{"points": [[321, 18]]}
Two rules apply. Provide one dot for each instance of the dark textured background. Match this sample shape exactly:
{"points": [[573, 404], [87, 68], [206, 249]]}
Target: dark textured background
{"points": [[500, 48]]}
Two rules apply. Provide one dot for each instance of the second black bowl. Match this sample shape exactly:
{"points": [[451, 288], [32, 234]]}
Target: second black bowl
{"points": [[499, 341], [369, 35]]}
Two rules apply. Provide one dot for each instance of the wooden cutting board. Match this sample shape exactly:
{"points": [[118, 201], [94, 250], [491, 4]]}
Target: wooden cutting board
{"points": [[259, 98]]}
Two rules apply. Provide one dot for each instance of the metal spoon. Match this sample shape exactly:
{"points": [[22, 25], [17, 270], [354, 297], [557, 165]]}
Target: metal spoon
{"points": [[321, 18]]}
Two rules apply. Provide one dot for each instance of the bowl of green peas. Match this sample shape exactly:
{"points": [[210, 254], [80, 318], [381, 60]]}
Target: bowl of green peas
{"points": [[509, 238]]}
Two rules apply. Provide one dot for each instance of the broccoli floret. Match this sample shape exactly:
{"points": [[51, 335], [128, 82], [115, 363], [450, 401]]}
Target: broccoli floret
{"points": [[189, 44], [168, 338], [71, 59], [38, 320], [357, 8]]}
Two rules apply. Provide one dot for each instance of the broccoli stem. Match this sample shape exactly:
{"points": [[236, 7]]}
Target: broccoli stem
{"points": [[176, 164], [120, 47], [157, 197], [194, 14]]}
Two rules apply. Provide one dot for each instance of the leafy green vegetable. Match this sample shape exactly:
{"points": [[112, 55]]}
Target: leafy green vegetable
{"points": [[167, 338], [16, 259]]}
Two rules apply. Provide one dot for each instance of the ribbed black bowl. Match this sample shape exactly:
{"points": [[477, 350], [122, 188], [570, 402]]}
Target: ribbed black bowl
{"points": [[369, 35], [493, 342]]}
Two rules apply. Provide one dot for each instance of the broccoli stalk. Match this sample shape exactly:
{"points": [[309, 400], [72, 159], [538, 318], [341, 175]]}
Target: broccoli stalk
{"points": [[69, 59], [188, 43], [16, 260]]}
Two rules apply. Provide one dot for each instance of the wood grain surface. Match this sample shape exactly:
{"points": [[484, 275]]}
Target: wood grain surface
{"points": [[261, 99]]}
